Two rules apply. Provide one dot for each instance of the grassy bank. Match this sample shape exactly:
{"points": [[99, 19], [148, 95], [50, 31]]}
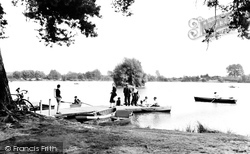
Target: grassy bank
{"points": [[114, 139]]}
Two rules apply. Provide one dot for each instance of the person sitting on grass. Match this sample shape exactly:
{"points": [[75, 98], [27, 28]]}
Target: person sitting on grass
{"points": [[155, 103], [77, 101]]}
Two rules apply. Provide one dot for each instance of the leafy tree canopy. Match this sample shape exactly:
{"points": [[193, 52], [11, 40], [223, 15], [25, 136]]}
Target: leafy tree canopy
{"points": [[239, 13], [54, 75], [129, 71], [60, 20], [235, 70], [3, 22]]}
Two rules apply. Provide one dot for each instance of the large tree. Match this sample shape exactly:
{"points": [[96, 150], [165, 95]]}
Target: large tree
{"points": [[59, 22], [235, 70], [129, 71], [54, 75]]}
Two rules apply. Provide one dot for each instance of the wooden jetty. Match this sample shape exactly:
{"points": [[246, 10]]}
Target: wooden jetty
{"points": [[69, 111], [72, 111]]}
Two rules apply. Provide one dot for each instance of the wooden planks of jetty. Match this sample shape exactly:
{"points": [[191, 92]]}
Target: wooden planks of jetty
{"points": [[92, 110], [73, 111]]}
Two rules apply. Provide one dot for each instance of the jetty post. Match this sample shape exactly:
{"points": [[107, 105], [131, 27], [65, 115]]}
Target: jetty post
{"points": [[49, 107], [40, 105]]}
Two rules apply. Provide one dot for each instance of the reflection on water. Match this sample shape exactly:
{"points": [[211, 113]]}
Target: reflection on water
{"points": [[152, 120]]}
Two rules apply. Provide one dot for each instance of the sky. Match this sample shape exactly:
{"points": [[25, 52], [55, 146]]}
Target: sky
{"points": [[156, 35]]}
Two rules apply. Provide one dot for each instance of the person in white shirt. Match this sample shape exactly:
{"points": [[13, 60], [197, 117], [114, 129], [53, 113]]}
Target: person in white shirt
{"points": [[155, 103]]}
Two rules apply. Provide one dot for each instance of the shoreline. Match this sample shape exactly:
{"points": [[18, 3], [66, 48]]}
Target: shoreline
{"points": [[113, 139]]}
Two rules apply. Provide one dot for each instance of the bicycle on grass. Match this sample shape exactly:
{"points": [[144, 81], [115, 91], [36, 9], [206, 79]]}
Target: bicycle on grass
{"points": [[23, 104]]}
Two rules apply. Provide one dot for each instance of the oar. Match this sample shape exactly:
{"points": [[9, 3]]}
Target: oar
{"points": [[86, 104], [213, 100], [81, 103]]}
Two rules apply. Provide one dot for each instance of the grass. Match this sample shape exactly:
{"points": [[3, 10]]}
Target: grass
{"points": [[200, 128]]}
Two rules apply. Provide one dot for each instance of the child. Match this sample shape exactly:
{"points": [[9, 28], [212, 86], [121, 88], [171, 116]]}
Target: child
{"points": [[155, 104], [77, 101], [118, 102], [144, 101]]}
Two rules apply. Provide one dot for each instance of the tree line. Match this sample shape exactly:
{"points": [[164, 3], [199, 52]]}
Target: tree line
{"points": [[128, 73], [31, 75]]}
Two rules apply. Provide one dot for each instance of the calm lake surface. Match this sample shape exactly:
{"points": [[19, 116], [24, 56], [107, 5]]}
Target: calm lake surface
{"points": [[180, 95]]}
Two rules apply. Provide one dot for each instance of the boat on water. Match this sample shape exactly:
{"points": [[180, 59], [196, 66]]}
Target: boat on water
{"points": [[229, 100], [157, 109], [143, 109], [232, 86], [100, 115]]}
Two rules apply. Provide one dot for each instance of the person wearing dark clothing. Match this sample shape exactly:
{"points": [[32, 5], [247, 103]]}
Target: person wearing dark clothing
{"points": [[20, 93], [135, 97], [144, 102], [126, 92], [113, 95], [118, 102], [58, 98], [77, 101]]}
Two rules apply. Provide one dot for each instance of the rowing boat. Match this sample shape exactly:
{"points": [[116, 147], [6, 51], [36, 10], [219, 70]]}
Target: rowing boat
{"points": [[229, 100], [104, 114], [157, 109], [143, 109]]}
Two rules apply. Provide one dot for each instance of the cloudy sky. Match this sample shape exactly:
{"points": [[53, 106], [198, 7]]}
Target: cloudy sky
{"points": [[156, 35]]}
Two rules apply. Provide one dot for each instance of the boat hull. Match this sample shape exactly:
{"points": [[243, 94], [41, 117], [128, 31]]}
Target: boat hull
{"points": [[156, 109], [104, 114], [141, 109], [215, 100]]}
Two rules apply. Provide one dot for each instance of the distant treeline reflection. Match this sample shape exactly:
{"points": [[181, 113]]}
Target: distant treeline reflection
{"points": [[95, 75]]}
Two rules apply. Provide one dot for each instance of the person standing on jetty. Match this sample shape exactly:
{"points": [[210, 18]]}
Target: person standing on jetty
{"points": [[135, 96], [126, 92], [58, 98], [113, 95]]}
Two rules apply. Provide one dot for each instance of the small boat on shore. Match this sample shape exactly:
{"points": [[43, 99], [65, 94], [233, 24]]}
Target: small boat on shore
{"points": [[100, 115], [122, 115], [120, 118], [229, 100]]}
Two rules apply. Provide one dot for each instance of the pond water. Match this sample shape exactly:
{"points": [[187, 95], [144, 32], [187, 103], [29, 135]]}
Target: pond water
{"points": [[180, 95]]}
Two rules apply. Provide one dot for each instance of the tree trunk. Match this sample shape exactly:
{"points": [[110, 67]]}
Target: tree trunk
{"points": [[5, 96]]}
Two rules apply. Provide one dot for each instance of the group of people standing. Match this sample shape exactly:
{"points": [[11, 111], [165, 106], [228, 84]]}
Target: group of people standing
{"points": [[127, 95], [129, 92]]}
